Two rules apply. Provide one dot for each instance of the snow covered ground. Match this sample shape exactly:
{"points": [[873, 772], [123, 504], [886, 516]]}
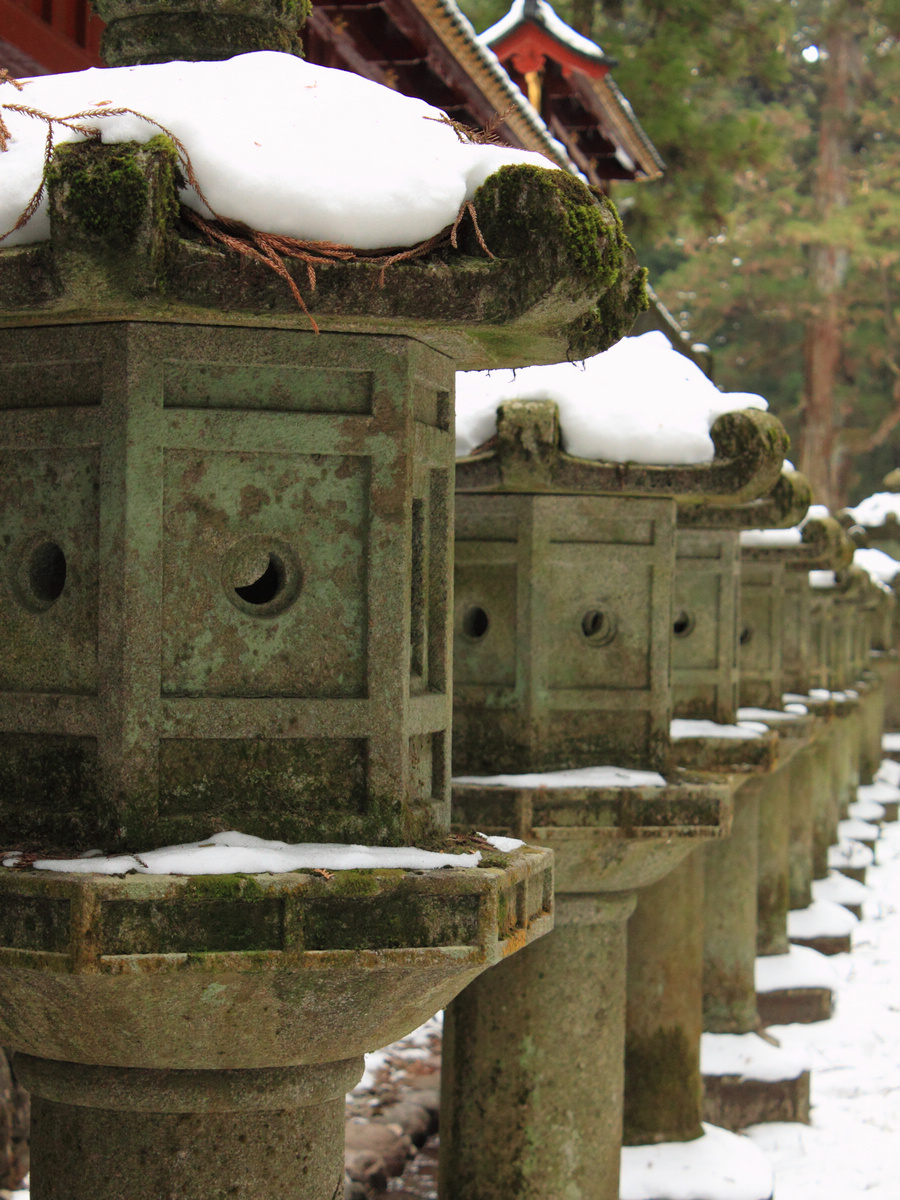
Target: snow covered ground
{"points": [[851, 1151]]}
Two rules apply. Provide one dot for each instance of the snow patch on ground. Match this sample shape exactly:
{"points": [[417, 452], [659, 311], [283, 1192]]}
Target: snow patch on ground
{"points": [[748, 1056], [640, 401], [886, 786], [801, 967], [580, 777], [683, 728], [866, 810], [857, 831], [419, 1044], [240, 853], [822, 918], [840, 889], [717, 1166], [850, 854], [890, 743], [850, 1150], [284, 145]]}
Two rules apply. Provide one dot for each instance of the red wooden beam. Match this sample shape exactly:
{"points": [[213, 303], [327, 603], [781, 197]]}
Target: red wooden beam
{"points": [[46, 45]]}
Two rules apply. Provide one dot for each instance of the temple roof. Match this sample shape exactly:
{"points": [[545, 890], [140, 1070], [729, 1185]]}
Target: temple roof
{"points": [[566, 77]]}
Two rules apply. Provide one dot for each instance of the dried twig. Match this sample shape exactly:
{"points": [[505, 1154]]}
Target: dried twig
{"points": [[489, 135]]}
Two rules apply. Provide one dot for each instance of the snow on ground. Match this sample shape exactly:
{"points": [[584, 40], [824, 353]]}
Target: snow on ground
{"points": [[841, 889], [594, 777], [416, 1045], [890, 744], [284, 145], [640, 401], [749, 1056], [822, 918], [851, 1151], [241, 853], [850, 854], [717, 1166], [873, 511], [801, 967]]}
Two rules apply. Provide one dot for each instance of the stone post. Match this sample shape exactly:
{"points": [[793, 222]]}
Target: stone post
{"points": [[563, 628], [226, 563], [756, 768]]}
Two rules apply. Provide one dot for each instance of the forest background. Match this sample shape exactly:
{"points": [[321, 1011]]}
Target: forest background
{"points": [[774, 235]]}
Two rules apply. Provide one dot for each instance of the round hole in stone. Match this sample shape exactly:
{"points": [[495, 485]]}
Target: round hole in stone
{"points": [[683, 625], [746, 635], [475, 623], [598, 627], [47, 573], [261, 576], [268, 586]]}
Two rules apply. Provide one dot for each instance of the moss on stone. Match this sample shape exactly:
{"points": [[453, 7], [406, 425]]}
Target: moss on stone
{"points": [[105, 195], [559, 234], [114, 208], [662, 1088]]}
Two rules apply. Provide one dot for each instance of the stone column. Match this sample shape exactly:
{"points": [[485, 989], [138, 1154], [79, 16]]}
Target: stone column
{"points": [[200, 1135], [664, 1016], [729, 918], [535, 1048]]}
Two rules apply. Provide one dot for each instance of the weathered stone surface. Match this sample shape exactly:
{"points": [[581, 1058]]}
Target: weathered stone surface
{"points": [[250, 971], [664, 1010], [784, 506], [563, 284], [527, 456], [150, 690], [801, 1005], [732, 1102], [533, 1065], [15, 1106], [151, 31], [99, 1131], [705, 678], [729, 918]]}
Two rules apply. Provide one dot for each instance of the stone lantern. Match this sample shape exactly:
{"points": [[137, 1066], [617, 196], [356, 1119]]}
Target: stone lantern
{"points": [[224, 585], [788, 821], [760, 770], [563, 626]]}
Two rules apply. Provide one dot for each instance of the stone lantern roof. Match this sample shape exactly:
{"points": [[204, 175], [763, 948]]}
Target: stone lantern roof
{"points": [[526, 456]]}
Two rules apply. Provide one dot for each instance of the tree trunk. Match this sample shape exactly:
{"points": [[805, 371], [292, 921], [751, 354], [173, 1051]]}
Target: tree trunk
{"points": [[820, 438]]}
